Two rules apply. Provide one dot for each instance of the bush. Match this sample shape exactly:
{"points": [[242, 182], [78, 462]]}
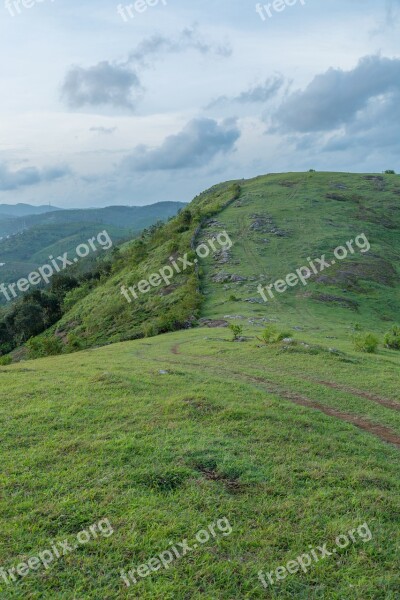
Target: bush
{"points": [[271, 335], [390, 172], [366, 342], [237, 330], [48, 346], [5, 360], [392, 338], [233, 298]]}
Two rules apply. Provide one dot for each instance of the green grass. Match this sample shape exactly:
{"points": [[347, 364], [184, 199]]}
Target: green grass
{"points": [[294, 443], [104, 434]]}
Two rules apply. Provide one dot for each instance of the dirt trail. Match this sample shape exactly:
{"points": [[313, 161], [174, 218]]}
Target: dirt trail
{"points": [[383, 433], [392, 404]]}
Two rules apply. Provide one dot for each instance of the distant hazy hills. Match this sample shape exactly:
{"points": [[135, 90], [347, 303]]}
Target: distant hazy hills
{"points": [[22, 210], [28, 238]]}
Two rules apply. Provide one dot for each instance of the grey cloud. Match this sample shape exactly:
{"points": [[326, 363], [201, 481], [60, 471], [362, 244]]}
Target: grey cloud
{"points": [[103, 130], [12, 180], [378, 127], [263, 92], [334, 98], [188, 39], [103, 84], [117, 84], [195, 146]]}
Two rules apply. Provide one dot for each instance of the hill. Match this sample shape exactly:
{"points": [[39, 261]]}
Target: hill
{"points": [[261, 468], [40, 236], [23, 210], [276, 223]]}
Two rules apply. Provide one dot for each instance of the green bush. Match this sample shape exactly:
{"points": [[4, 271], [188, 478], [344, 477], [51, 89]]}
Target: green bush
{"points": [[237, 330], [271, 335], [47, 346], [390, 172], [392, 338], [5, 360], [366, 342]]}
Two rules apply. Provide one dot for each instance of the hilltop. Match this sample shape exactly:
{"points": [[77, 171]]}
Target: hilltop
{"points": [[277, 224]]}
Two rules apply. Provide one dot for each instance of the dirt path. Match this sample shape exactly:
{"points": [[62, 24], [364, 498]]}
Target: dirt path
{"points": [[383, 433], [392, 404]]}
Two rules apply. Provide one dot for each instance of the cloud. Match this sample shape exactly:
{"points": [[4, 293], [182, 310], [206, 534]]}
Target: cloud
{"points": [[195, 146], [103, 130], [103, 84], [263, 92], [117, 84], [335, 98], [12, 180], [189, 39], [376, 127]]}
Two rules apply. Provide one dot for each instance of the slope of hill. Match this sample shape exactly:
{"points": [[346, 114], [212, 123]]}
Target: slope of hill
{"points": [[233, 461], [277, 223]]}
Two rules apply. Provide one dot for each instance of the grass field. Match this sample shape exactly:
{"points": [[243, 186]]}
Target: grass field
{"points": [[291, 444], [103, 434]]}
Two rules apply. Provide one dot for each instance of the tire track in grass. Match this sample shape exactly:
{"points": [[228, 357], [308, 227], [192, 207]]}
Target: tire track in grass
{"points": [[385, 434]]}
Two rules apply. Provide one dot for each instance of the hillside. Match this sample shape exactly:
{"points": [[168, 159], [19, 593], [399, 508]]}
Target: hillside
{"points": [[276, 223], [246, 456]]}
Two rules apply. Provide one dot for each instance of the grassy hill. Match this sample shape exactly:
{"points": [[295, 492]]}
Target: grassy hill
{"points": [[276, 223], [291, 443]]}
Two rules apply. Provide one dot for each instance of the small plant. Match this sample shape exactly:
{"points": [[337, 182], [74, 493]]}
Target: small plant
{"points": [[5, 360], [237, 331], [392, 338], [271, 335], [233, 298], [357, 327], [366, 342]]}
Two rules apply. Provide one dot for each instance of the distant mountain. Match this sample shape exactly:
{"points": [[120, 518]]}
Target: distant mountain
{"points": [[130, 218], [27, 242], [23, 210]]}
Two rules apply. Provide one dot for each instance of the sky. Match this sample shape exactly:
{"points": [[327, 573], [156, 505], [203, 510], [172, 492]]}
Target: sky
{"points": [[105, 103]]}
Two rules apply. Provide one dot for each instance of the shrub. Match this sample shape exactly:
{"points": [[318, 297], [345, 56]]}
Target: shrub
{"points": [[237, 330], [75, 343], [271, 335], [233, 298], [366, 342], [5, 360], [390, 172], [48, 346], [150, 330], [392, 338]]}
